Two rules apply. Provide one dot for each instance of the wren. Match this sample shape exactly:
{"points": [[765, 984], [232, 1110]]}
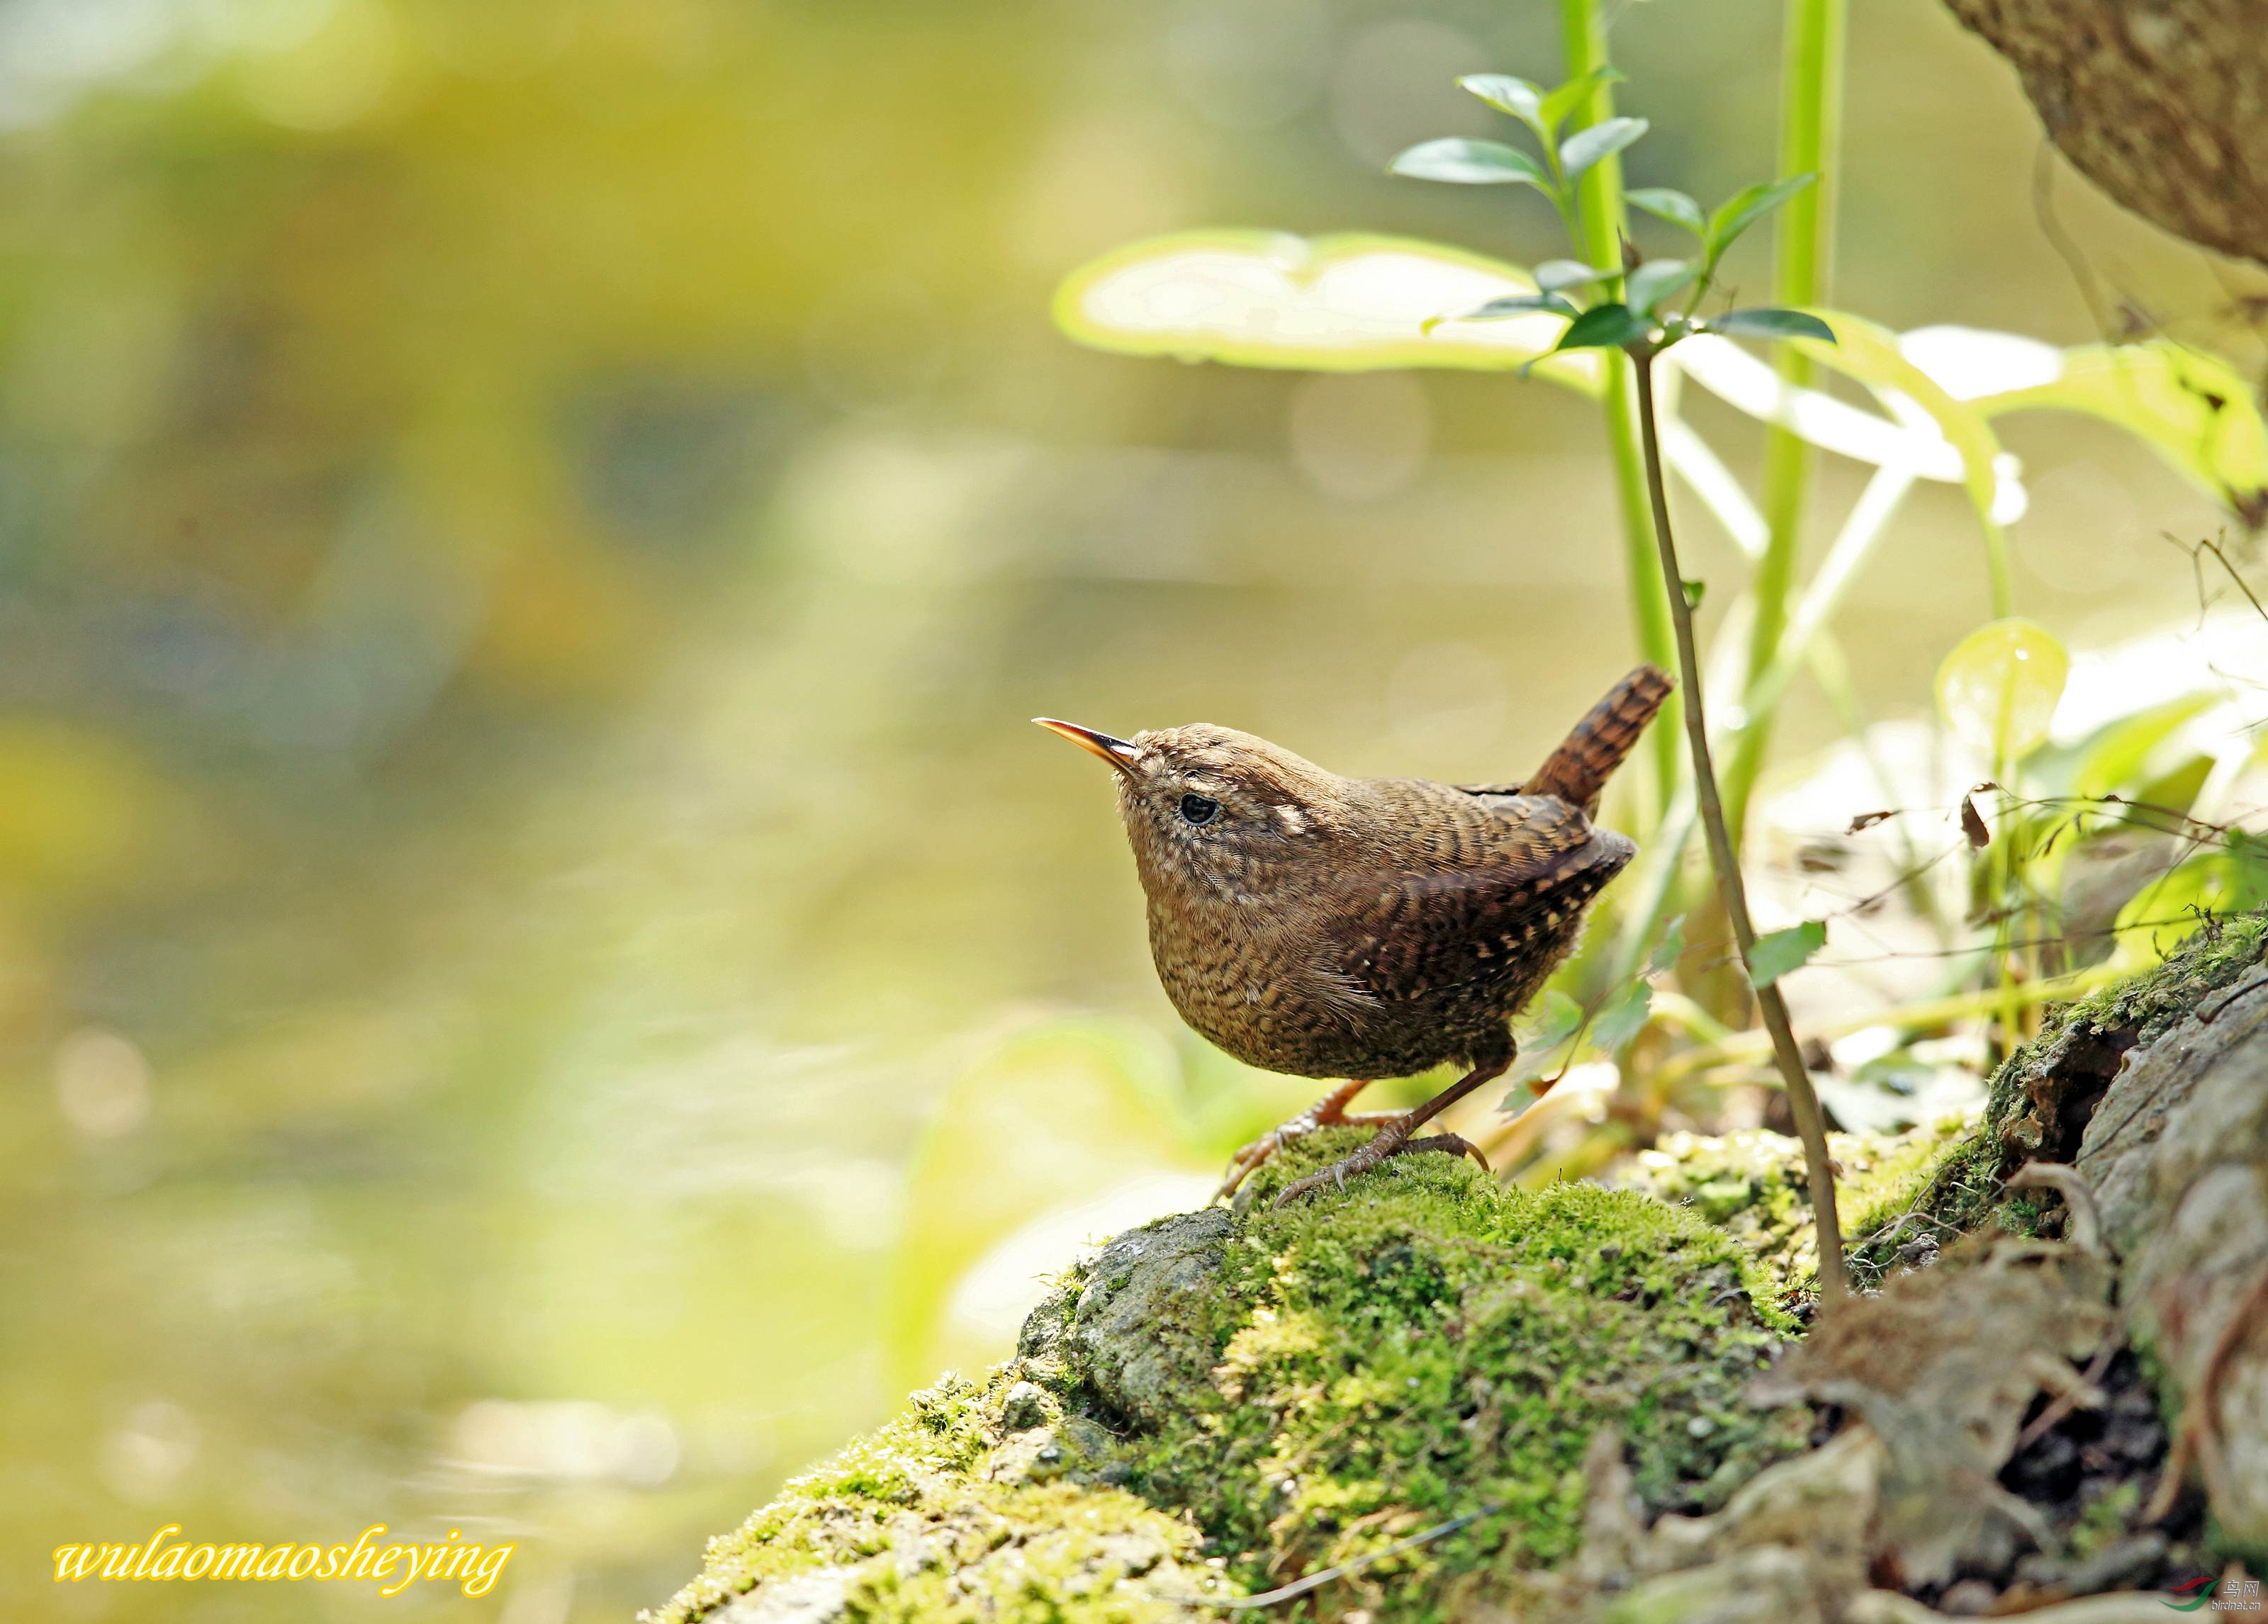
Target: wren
{"points": [[1364, 927]]}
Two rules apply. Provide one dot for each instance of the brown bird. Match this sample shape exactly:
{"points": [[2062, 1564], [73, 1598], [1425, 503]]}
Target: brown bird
{"points": [[1364, 927]]}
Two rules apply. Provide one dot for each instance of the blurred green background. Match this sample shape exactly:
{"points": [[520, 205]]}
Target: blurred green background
{"points": [[529, 533]]}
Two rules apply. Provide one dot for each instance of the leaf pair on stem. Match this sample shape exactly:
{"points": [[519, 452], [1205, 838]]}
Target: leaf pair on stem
{"points": [[1647, 287], [1642, 307]]}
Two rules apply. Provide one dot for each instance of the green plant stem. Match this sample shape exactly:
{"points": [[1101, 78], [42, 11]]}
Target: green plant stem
{"points": [[1600, 220], [1810, 142], [1750, 1046], [1770, 1007]]}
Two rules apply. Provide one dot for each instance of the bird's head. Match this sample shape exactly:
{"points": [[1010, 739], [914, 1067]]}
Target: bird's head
{"points": [[1210, 811]]}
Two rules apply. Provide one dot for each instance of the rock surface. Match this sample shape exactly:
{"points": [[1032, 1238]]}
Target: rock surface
{"points": [[1450, 1399], [1218, 1402]]}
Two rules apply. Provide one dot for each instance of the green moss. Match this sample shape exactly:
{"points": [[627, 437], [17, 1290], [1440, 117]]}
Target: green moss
{"points": [[1751, 1184], [943, 1514], [1220, 1403], [2105, 1520], [1239, 1401], [2039, 1098]]}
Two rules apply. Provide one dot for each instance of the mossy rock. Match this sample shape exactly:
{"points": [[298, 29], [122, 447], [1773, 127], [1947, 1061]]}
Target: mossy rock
{"points": [[1752, 1184], [1902, 1197], [1219, 1402], [2040, 1098]]}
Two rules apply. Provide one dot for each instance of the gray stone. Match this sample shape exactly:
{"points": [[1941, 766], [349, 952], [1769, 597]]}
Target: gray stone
{"points": [[1026, 1405], [1147, 1299]]}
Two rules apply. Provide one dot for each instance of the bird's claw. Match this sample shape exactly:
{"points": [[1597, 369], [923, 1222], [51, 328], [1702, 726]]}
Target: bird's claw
{"points": [[1390, 1143], [1250, 1158]]}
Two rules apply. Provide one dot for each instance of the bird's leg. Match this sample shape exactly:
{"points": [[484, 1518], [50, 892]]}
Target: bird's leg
{"points": [[1395, 1138], [1329, 1112]]}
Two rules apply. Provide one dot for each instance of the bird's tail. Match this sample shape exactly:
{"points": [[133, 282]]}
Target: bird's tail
{"points": [[1580, 768]]}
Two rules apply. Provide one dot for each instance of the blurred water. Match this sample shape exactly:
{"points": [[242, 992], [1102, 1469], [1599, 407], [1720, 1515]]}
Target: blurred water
{"points": [[527, 538]]}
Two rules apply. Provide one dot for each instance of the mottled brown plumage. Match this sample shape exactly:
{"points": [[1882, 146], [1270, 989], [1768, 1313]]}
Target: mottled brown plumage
{"points": [[1364, 927]]}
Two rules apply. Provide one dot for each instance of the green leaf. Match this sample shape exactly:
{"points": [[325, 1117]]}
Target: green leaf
{"points": [[1749, 205], [1871, 355], [1556, 275], [1471, 163], [2194, 409], [1646, 288], [1765, 323], [2176, 790], [1551, 1023], [1669, 949], [1666, 203], [2114, 757], [1566, 98], [1623, 1018], [1694, 590], [1587, 147], [1353, 303], [1506, 94], [2000, 686], [1511, 304], [2173, 907], [1553, 1019], [2247, 870], [1776, 954], [1604, 327]]}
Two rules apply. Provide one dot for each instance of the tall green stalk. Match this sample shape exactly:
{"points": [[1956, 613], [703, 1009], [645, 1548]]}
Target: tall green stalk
{"points": [[1810, 141], [1601, 220]]}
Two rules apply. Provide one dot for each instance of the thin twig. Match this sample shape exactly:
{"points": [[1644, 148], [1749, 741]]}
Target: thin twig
{"points": [[1339, 1570], [1770, 1006]]}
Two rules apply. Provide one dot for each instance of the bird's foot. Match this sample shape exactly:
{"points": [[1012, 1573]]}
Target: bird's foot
{"points": [[1329, 1112], [1393, 1140]]}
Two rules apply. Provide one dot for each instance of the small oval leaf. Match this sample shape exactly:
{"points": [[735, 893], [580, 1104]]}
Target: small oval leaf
{"points": [[1566, 98], [1776, 954], [1587, 147], [1506, 94], [1604, 327], [1511, 304], [1656, 280], [1623, 1017], [1999, 687], [1555, 276], [1767, 323], [1471, 163], [1667, 203], [1749, 205]]}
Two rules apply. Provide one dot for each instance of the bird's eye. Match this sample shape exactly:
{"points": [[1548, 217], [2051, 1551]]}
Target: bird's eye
{"points": [[1198, 810]]}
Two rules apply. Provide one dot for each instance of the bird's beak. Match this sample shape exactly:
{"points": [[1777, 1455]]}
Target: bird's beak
{"points": [[1117, 752]]}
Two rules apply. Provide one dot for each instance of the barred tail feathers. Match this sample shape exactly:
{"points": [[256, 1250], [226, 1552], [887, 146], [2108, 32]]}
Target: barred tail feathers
{"points": [[1578, 770]]}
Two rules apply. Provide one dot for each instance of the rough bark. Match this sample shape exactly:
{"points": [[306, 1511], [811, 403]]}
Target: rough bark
{"points": [[2161, 103]]}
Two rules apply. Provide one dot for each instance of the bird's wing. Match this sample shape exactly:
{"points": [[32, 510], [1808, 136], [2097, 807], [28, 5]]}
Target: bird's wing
{"points": [[1493, 876]]}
